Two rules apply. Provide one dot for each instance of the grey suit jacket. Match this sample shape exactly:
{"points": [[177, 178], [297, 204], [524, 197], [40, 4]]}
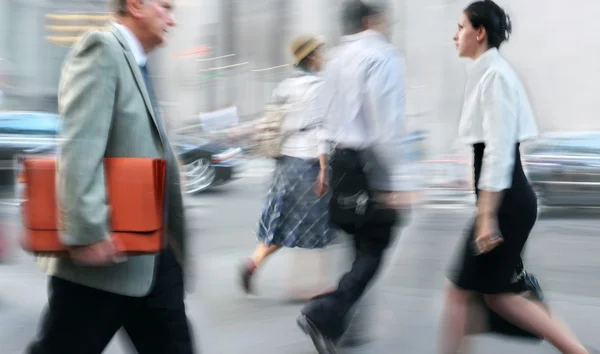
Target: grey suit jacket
{"points": [[107, 112]]}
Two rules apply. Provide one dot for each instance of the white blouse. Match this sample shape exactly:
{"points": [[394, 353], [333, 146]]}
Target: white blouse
{"points": [[308, 138], [496, 111]]}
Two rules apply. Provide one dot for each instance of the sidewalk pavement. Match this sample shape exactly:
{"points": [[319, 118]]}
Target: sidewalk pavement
{"points": [[227, 322], [405, 320]]}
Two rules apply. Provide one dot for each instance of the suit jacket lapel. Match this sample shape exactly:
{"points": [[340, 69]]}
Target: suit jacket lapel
{"points": [[137, 74]]}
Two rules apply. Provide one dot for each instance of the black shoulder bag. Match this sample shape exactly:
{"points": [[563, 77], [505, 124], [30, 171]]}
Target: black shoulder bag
{"points": [[352, 202]]}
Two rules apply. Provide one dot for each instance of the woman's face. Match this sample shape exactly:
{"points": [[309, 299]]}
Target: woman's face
{"points": [[317, 58], [466, 38]]}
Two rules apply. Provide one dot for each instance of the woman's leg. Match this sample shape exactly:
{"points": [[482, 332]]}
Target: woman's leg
{"points": [[261, 252], [249, 266], [454, 320], [532, 317]]}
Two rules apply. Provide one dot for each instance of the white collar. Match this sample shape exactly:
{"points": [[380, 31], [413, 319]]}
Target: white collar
{"points": [[484, 60], [361, 35], [134, 44]]}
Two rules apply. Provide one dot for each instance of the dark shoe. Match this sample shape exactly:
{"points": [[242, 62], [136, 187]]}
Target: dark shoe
{"points": [[247, 269], [322, 343], [353, 341], [356, 333]]}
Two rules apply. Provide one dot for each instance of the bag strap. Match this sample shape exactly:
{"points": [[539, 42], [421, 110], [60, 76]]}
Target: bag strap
{"points": [[286, 134]]}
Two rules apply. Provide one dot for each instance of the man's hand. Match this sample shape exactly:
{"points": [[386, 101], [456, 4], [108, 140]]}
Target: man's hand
{"points": [[100, 253], [397, 200]]}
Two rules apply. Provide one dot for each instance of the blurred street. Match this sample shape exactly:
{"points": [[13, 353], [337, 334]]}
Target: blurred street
{"points": [[563, 253], [221, 65]]}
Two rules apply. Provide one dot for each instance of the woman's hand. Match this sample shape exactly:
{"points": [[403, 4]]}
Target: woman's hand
{"points": [[487, 233], [321, 183]]}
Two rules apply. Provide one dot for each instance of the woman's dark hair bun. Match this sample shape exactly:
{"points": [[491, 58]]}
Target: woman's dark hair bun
{"points": [[492, 17]]}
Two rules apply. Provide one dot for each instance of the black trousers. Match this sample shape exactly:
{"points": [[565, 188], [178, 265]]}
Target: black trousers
{"points": [[330, 312], [81, 320]]}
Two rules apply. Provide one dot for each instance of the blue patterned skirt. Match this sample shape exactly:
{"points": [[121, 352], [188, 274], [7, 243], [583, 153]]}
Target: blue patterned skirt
{"points": [[293, 214]]}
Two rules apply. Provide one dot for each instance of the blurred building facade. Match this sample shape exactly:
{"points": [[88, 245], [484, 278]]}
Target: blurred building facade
{"points": [[32, 56], [550, 49], [233, 53]]}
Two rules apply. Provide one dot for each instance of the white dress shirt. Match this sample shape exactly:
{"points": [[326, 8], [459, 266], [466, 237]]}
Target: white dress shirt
{"points": [[496, 112], [304, 121], [134, 44], [365, 94]]}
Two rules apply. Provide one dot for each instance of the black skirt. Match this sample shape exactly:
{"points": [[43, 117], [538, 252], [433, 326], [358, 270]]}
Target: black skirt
{"points": [[495, 271]]}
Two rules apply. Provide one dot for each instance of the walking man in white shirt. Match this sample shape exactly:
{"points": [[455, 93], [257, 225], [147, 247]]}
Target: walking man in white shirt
{"points": [[366, 99]]}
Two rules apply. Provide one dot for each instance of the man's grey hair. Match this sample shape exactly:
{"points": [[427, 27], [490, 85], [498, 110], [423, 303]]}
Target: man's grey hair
{"points": [[354, 11], [119, 7]]}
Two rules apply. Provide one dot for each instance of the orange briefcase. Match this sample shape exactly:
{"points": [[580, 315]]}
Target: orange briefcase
{"points": [[135, 190]]}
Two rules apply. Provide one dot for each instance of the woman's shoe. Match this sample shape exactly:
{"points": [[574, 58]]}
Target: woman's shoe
{"points": [[247, 269]]}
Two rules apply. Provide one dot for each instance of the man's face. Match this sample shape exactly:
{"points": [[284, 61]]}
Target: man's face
{"points": [[156, 19]]}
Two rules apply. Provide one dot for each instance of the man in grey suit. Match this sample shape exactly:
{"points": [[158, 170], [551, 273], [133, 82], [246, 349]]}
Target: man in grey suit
{"points": [[109, 109]]}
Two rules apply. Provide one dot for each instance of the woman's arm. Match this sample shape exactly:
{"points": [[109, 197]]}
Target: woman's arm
{"points": [[488, 203], [323, 162], [317, 112], [500, 137], [320, 105]]}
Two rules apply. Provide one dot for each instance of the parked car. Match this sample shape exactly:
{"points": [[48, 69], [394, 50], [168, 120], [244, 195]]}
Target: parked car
{"points": [[564, 169], [204, 164]]}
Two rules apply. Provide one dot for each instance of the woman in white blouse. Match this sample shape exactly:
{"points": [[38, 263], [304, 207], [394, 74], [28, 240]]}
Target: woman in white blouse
{"points": [[496, 117]]}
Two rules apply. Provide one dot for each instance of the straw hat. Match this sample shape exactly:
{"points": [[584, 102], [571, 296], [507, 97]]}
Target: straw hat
{"points": [[302, 46]]}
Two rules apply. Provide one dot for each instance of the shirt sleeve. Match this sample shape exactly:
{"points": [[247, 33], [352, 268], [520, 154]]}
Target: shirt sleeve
{"points": [[385, 107], [499, 128], [319, 109], [326, 103]]}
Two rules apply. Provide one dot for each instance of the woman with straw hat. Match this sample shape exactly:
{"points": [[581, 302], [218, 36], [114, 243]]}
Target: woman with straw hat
{"points": [[295, 213]]}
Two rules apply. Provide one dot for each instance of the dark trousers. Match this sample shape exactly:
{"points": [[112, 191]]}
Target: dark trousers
{"points": [[80, 319], [330, 312]]}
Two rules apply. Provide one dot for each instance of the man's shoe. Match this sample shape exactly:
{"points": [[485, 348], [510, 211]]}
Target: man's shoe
{"points": [[322, 343], [356, 333], [354, 341]]}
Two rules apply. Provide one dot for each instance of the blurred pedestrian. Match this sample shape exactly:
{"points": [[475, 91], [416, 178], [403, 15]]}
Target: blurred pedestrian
{"points": [[496, 118], [109, 109], [295, 211], [365, 123]]}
